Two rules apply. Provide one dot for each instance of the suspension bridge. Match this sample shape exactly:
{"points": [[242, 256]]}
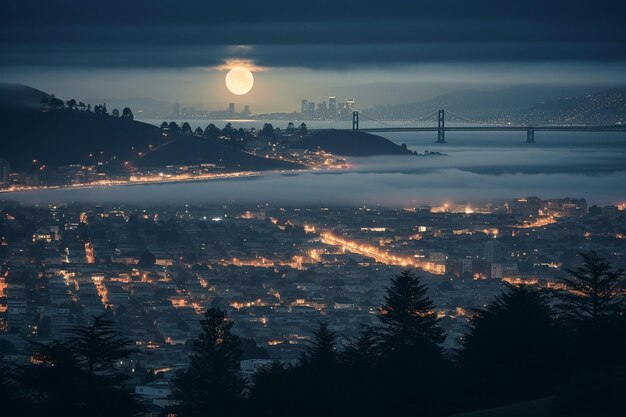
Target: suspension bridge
{"points": [[459, 124]]}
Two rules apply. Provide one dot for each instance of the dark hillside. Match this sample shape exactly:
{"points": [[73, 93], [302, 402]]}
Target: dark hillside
{"points": [[351, 143]]}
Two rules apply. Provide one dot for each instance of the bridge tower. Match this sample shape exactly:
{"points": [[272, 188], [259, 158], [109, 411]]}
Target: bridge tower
{"points": [[355, 120], [530, 135], [441, 126]]}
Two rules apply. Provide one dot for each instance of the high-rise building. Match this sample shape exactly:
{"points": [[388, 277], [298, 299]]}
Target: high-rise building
{"points": [[332, 105], [349, 103], [246, 110], [176, 109], [321, 108], [311, 107], [231, 108], [304, 106]]}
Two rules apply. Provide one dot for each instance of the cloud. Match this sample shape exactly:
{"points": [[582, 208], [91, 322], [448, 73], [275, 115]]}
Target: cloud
{"points": [[187, 33], [231, 63]]}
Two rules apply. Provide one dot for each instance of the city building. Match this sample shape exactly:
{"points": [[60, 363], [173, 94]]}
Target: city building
{"points": [[332, 106]]}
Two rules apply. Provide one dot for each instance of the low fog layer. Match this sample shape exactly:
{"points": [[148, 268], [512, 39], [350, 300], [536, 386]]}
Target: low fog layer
{"points": [[476, 169]]}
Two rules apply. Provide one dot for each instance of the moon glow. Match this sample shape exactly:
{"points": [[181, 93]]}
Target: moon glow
{"points": [[239, 80]]}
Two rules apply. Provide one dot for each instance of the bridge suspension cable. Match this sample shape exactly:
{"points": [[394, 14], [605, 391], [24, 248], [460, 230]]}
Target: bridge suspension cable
{"points": [[465, 119]]}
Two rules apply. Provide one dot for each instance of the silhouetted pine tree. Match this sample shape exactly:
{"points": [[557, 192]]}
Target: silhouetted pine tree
{"points": [[412, 366], [359, 364], [275, 391], [595, 291], [362, 351], [211, 385], [512, 351], [320, 354], [77, 376], [408, 319], [594, 312], [594, 309], [317, 374]]}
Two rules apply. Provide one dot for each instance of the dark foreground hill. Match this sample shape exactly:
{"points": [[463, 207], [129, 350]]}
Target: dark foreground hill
{"points": [[351, 143], [64, 137], [18, 96], [189, 150], [32, 138]]}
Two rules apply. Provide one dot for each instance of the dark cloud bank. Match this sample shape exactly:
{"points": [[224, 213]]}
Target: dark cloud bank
{"points": [[334, 34]]}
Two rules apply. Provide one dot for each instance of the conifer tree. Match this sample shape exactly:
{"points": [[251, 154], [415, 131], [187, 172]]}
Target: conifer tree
{"points": [[408, 316], [509, 343], [77, 376], [593, 307], [211, 385]]}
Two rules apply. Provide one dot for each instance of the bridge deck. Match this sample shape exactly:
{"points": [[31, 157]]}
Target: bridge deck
{"points": [[612, 128]]}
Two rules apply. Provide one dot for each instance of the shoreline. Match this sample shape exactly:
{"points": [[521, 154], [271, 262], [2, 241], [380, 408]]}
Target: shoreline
{"points": [[151, 181]]}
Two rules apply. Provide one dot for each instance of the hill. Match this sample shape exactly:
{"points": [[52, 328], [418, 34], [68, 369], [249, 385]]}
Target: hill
{"points": [[32, 138], [191, 150], [18, 96], [476, 103], [521, 104], [64, 137], [351, 143], [605, 107]]}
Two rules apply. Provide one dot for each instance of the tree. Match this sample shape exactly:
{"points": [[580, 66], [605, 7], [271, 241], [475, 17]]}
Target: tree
{"points": [[228, 130], [173, 126], [56, 103], [115, 113], [127, 113], [146, 260], [317, 374], [362, 351], [410, 345], [77, 376], [211, 382], [408, 316], [71, 104], [594, 290], [186, 128], [303, 129], [593, 309], [212, 131], [198, 131], [360, 376], [290, 127], [509, 344], [320, 354], [164, 125], [268, 131]]}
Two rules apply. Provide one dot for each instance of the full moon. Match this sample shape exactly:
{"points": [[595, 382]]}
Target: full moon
{"points": [[239, 80]]}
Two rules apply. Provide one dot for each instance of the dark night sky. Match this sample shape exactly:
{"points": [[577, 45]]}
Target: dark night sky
{"points": [[377, 41]]}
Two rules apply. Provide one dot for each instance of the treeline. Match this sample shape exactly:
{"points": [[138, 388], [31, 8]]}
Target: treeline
{"points": [[526, 344], [230, 136], [53, 103]]}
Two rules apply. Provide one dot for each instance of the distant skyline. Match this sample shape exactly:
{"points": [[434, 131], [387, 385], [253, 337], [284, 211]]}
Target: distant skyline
{"points": [[400, 53]]}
